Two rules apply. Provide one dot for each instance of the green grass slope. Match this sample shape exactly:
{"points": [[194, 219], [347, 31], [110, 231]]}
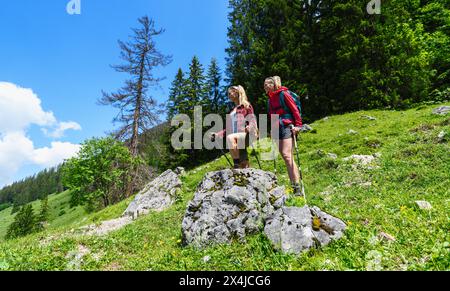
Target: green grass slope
{"points": [[414, 165], [60, 213]]}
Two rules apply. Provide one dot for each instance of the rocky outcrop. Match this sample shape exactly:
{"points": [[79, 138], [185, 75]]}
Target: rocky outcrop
{"points": [[306, 128], [231, 204], [443, 110], [157, 195], [293, 230]]}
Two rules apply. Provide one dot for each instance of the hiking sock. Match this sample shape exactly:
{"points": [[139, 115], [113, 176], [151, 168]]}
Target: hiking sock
{"points": [[236, 163]]}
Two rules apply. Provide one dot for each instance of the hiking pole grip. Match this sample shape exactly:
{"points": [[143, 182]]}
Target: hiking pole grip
{"points": [[294, 137]]}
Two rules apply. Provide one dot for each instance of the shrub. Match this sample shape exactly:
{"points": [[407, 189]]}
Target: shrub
{"points": [[101, 173]]}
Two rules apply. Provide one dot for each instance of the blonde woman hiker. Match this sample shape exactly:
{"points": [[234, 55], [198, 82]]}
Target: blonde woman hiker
{"points": [[282, 103], [241, 122]]}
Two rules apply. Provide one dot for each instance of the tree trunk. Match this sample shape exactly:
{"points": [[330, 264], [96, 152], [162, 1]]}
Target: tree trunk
{"points": [[137, 111], [137, 115]]}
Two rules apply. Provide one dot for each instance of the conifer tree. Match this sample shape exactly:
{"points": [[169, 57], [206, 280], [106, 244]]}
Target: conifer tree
{"points": [[196, 90], [217, 98], [43, 215], [138, 109], [177, 95], [347, 58], [25, 222]]}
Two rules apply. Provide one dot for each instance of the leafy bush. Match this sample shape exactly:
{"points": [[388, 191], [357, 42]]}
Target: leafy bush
{"points": [[440, 95], [101, 174]]}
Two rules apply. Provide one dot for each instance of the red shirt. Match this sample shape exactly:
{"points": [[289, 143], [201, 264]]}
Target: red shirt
{"points": [[274, 103], [243, 115]]}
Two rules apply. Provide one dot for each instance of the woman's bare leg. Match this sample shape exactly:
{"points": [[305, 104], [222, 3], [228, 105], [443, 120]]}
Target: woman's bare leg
{"points": [[234, 141], [286, 150]]}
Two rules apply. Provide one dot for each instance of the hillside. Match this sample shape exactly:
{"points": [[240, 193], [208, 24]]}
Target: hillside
{"points": [[386, 229], [60, 213]]}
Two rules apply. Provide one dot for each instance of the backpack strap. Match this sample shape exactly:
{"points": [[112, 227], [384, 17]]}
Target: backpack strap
{"points": [[288, 113], [286, 109], [283, 102]]}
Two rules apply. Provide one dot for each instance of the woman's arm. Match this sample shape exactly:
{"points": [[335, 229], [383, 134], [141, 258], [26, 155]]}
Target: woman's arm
{"points": [[221, 133], [251, 119]]}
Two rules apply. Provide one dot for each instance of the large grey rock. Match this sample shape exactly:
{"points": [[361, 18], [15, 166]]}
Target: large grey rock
{"points": [[443, 110], [157, 195], [291, 229], [306, 128], [231, 204]]}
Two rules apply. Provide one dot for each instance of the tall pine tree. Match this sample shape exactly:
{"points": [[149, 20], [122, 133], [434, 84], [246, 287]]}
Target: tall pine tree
{"points": [[196, 90], [137, 107], [217, 98], [177, 96], [43, 215], [25, 222], [186, 92]]}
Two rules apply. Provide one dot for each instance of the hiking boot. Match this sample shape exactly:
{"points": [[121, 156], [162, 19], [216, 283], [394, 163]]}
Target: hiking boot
{"points": [[298, 190], [236, 163], [244, 164]]}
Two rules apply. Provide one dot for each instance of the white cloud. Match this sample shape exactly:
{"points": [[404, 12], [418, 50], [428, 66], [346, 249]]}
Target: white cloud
{"points": [[48, 157], [15, 150], [62, 128], [19, 109]]}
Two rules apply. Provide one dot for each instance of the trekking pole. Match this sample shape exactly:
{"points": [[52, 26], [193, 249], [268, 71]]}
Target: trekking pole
{"points": [[274, 158], [253, 147], [213, 139], [256, 156], [299, 165], [226, 157]]}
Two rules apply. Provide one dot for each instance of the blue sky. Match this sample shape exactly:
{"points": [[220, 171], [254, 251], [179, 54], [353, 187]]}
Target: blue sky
{"points": [[64, 59]]}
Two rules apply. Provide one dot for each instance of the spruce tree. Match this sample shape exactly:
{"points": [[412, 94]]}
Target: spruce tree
{"points": [[24, 223], [196, 90], [177, 95], [35, 187], [217, 99], [138, 109], [43, 215]]}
